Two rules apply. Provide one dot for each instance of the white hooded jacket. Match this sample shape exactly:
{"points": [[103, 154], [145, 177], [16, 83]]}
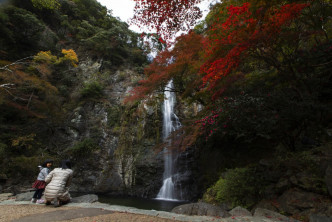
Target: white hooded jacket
{"points": [[58, 182]]}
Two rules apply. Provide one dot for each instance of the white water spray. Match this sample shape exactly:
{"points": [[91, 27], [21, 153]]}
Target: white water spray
{"points": [[170, 123]]}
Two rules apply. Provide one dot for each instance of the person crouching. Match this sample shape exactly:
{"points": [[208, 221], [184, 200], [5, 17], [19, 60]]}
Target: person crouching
{"points": [[58, 182]]}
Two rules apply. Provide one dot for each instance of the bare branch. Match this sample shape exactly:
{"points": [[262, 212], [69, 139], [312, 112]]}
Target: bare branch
{"points": [[20, 61], [30, 99], [7, 87]]}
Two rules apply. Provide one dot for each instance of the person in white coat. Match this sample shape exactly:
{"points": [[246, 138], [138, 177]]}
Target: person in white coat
{"points": [[58, 182]]}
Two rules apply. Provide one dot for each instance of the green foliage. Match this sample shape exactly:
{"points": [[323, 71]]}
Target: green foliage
{"points": [[92, 90], [47, 4], [28, 28], [22, 32], [86, 30], [113, 115], [308, 166], [82, 149], [24, 166], [239, 187], [111, 43]]}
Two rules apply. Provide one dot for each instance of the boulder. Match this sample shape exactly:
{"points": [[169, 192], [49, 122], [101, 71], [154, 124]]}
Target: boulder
{"points": [[201, 209], [240, 211], [293, 201], [89, 198], [259, 212], [266, 204], [24, 196], [319, 218]]}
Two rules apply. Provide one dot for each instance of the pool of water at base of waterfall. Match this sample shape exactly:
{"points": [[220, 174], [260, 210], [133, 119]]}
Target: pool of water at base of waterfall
{"points": [[141, 203]]}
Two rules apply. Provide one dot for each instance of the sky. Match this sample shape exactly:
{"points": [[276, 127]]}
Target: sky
{"points": [[124, 9], [121, 8]]}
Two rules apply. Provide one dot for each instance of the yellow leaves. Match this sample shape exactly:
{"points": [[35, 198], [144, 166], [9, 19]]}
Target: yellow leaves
{"points": [[26, 86], [24, 141], [45, 56], [68, 55]]}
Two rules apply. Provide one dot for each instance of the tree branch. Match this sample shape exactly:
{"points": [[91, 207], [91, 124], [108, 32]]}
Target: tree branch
{"points": [[14, 63]]}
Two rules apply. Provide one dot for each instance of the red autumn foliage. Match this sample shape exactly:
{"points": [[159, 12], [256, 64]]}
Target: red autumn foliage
{"points": [[218, 53], [166, 16], [230, 41], [168, 64]]}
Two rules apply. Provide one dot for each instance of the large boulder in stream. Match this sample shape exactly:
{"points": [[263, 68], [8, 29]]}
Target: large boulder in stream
{"points": [[201, 209], [88, 198]]}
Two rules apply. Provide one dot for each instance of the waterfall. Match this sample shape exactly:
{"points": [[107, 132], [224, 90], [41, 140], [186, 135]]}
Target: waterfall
{"points": [[170, 123]]}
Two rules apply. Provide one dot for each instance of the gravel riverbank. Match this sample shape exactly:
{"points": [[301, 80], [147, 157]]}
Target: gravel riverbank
{"points": [[20, 211]]}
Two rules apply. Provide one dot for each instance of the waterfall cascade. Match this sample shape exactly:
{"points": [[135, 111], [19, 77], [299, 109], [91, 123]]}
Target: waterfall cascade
{"points": [[170, 123]]}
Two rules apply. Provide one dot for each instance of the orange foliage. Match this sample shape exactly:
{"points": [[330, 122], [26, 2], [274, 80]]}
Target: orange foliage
{"points": [[182, 61], [25, 85], [69, 55], [47, 57]]}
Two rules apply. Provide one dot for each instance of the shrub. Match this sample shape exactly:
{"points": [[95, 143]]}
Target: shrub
{"points": [[82, 148], [113, 116], [239, 187], [25, 166], [92, 90]]}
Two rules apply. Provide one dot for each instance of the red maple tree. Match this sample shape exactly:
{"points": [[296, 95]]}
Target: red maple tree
{"points": [[166, 16]]}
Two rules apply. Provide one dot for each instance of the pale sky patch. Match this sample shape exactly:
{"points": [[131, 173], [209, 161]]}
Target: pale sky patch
{"points": [[124, 9]]}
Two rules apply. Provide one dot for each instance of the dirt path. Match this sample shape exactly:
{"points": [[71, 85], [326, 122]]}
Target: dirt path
{"points": [[42, 213]]}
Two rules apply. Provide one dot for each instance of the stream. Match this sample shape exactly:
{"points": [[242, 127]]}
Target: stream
{"points": [[140, 203]]}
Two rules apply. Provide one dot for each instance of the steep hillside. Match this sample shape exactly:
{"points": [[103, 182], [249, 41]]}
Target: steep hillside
{"points": [[65, 69]]}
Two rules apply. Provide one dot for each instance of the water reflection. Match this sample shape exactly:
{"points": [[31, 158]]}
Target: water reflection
{"points": [[141, 203]]}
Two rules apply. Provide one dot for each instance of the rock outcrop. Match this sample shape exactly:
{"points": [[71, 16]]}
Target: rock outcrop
{"points": [[88, 198], [201, 209]]}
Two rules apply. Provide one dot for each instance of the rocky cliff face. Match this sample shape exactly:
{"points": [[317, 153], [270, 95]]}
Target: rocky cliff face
{"points": [[124, 161], [111, 145]]}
